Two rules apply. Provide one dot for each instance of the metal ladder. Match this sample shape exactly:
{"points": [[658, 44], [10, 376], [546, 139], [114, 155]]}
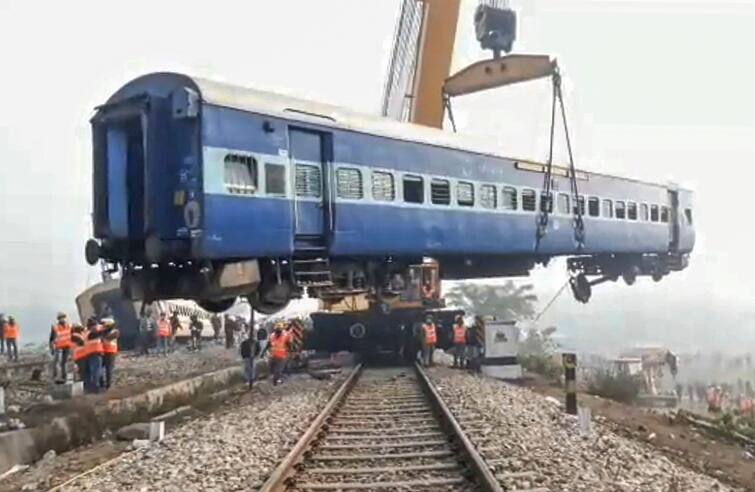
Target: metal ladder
{"points": [[312, 272]]}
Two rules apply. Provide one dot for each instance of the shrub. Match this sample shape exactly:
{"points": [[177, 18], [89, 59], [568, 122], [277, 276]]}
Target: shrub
{"points": [[619, 387]]}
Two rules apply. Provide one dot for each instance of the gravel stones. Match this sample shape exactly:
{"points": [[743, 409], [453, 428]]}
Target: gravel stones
{"points": [[229, 450], [530, 442]]}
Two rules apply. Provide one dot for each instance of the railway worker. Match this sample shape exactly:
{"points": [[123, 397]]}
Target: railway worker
{"points": [[79, 335], [229, 328], [460, 342], [195, 326], [175, 324], [146, 328], [216, 325], [109, 352], [429, 339], [12, 334], [60, 344], [279, 348], [163, 333], [93, 350]]}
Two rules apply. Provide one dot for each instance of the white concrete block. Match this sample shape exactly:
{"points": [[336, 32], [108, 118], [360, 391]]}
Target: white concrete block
{"points": [[2, 400], [157, 431]]}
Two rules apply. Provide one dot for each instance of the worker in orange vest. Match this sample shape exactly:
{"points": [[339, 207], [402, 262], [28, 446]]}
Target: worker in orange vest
{"points": [[60, 344], [279, 348], [12, 333], [460, 342], [94, 352], [163, 333], [109, 352], [79, 336], [429, 339]]}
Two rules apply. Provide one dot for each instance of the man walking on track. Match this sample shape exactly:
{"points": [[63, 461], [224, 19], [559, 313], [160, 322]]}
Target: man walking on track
{"points": [[430, 338], [279, 347]]}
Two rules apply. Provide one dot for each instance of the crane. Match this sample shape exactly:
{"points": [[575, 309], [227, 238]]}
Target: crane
{"points": [[420, 88]]}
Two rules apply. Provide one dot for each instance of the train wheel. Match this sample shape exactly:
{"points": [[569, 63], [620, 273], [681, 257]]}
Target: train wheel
{"points": [[266, 306], [581, 288], [220, 306]]}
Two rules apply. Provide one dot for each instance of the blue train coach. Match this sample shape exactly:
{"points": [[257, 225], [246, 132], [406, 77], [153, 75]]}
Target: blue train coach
{"points": [[209, 191]]}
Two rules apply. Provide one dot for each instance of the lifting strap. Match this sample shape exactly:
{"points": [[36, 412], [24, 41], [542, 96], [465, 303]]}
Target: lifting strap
{"points": [[547, 208], [449, 110]]}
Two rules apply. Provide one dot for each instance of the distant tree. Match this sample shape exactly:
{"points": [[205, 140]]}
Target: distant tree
{"points": [[508, 301]]}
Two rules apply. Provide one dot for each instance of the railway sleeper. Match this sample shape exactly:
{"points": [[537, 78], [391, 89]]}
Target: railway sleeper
{"points": [[410, 444], [444, 466], [405, 484]]}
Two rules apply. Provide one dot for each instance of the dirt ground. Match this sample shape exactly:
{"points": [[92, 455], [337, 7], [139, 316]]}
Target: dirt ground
{"points": [[681, 442]]}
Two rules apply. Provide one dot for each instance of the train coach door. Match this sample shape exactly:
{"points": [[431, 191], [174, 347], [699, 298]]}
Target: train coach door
{"points": [[309, 152], [673, 222]]}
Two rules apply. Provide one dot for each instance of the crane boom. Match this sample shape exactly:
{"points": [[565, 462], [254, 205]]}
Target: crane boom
{"points": [[436, 46]]}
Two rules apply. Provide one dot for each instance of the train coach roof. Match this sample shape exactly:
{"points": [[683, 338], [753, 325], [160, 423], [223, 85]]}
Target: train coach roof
{"points": [[292, 108]]}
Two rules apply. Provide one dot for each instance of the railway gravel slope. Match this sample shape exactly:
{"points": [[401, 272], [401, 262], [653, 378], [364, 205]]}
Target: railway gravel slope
{"points": [[228, 450], [520, 431]]}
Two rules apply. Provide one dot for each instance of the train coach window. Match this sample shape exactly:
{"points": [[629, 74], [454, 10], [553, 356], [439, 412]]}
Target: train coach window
{"points": [[488, 196], [465, 194], [593, 207], [510, 198], [654, 213], [240, 174], [529, 200], [621, 210], [440, 192], [632, 211], [275, 179], [644, 214], [581, 205], [546, 202], [383, 186], [608, 209], [664, 215], [688, 215], [308, 181], [349, 183], [414, 189], [563, 203]]}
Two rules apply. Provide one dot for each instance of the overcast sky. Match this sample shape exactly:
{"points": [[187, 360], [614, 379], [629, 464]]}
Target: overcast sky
{"points": [[655, 90]]}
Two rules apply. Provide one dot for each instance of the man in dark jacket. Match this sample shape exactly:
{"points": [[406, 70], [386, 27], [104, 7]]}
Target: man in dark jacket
{"points": [[250, 349]]}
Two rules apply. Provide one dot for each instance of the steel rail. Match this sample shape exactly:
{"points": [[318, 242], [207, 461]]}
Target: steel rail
{"points": [[482, 472], [277, 480]]}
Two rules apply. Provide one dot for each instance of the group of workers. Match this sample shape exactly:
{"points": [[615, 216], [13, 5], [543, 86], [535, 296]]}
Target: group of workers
{"points": [[467, 342], [10, 332], [93, 348]]}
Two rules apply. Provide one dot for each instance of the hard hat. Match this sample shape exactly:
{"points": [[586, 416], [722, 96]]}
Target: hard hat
{"points": [[108, 321], [61, 315]]}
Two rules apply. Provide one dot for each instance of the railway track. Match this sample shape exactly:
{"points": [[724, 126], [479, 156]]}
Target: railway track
{"points": [[384, 429]]}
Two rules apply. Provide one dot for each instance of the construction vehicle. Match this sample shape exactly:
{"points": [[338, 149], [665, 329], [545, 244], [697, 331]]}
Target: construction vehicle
{"points": [[647, 365], [370, 325]]}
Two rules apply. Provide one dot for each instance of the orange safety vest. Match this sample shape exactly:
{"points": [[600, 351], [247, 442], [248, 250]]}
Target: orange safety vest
{"points": [[460, 333], [279, 346], [11, 331], [80, 351], [93, 346], [62, 336], [430, 337], [110, 347], [163, 328]]}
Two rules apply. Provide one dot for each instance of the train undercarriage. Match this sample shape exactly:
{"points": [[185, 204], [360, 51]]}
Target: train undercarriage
{"points": [[270, 285]]}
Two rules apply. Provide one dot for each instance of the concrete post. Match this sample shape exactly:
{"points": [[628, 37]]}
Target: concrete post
{"points": [[2, 400], [570, 382], [157, 431]]}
